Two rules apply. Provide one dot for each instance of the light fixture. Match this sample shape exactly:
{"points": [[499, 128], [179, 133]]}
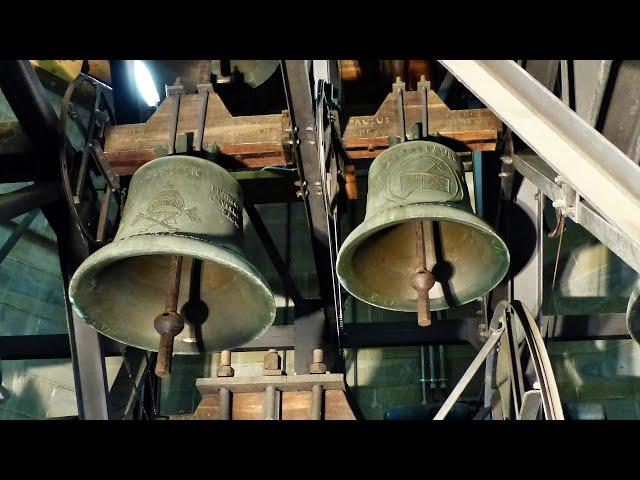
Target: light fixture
{"points": [[145, 84]]}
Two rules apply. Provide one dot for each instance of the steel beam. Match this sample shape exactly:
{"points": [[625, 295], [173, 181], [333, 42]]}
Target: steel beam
{"points": [[52, 346], [26, 96], [589, 82], [463, 331], [356, 335], [127, 388], [317, 330], [626, 246], [597, 170], [24, 200]]}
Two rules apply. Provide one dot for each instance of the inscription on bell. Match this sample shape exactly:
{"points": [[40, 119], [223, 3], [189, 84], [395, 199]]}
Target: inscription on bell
{"points": [[228, 204], [172, 170], [425, 181]]}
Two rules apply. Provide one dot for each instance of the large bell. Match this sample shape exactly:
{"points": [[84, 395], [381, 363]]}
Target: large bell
{"points": [[419, 219], [633, 312], [177, 207]]}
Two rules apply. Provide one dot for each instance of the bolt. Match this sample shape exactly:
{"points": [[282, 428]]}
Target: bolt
{"points": [[318, 366], [271, 364], [225, 369]]}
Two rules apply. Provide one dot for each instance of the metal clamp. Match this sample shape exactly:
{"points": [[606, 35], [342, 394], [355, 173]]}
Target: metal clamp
{"points": [[174, 91], [203, 91]]}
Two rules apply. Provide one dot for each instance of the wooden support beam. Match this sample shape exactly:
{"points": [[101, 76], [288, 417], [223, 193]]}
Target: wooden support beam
{"points": [[295, 406], [248, 141], [470, 130], [261, 140]]}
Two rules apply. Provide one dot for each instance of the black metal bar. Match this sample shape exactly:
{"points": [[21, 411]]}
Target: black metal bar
{"points": [[356, 335], [587, 327], [321, 329], [18, 161], [461, 331], [86, 345], [24, 200], [127, 387], [16, 235], [261, 229], [53, 346], [25, 93], [280, 337]]}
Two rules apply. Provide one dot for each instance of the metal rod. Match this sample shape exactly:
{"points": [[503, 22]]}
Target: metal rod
{"points": [[402, 130], [203, 90], [432, 368], [491, 342], [171, 300], [422, 279], [423, 380], [424, 92], [175, 112], [104, 210], [317, 394], [224, 407], [442, 379], [169, 324], [270, 403]]}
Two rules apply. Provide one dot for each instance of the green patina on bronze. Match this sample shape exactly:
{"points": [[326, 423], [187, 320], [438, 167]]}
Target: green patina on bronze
{"points": [[177, 205], [410, 182]]}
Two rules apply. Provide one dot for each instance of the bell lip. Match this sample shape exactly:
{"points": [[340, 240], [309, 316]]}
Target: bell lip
{"points": [[398, 215], [141, 245], [633, 313]]}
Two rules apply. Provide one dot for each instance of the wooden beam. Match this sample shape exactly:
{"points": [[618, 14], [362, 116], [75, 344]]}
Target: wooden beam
{"points": [[295, 406], [365, 137], [248, 141]]}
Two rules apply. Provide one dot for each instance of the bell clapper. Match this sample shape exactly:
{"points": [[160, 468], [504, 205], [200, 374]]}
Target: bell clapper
{"points": [[169, 323], [422, 279]]}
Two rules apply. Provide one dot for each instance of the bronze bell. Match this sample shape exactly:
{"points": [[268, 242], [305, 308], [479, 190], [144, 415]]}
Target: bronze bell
{"points": [[420, 246], [181, 232]]}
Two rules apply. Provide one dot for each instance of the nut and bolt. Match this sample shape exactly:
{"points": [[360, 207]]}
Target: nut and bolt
{"points": [[318, 366], [271, 365], [225, 369]]}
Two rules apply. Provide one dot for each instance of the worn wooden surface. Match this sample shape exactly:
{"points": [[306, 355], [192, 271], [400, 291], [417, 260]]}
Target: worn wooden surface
{"points": [[252, 141], [473, 130], [295, 406], [260, 140], [284, 383]]}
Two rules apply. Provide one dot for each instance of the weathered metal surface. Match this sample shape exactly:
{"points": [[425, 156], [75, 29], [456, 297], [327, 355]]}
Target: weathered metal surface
{"points": [[473, 130], [252, 141], [420, 181], [177, 206]]}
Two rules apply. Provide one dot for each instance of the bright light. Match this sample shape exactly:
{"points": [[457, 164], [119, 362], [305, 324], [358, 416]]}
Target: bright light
{"points": [[145, 84]]}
